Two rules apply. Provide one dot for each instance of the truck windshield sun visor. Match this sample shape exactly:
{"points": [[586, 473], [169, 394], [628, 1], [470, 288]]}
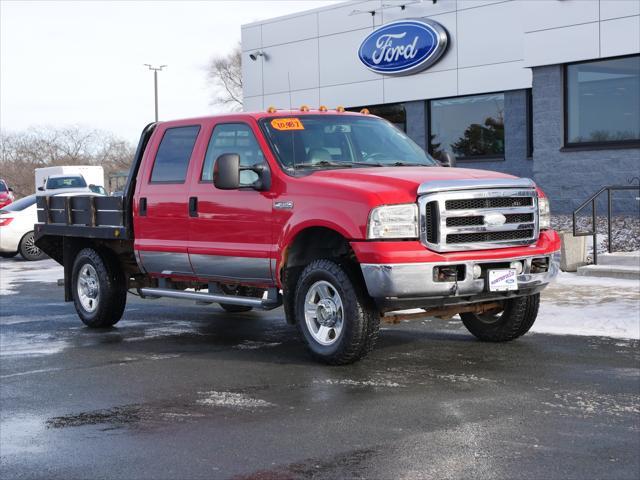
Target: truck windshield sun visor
{"points": [[339, 141]]}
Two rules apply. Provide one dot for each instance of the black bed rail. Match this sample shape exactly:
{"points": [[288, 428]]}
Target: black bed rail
{"points": [[609, 189]]}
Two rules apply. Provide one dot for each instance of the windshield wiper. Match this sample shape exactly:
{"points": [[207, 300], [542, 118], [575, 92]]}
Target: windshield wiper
{"points": [[324, 163], [393, 164]]}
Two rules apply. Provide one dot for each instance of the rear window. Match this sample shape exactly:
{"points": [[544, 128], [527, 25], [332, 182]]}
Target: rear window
{"points": [[174, 153], [66, 182], [21, 204]]}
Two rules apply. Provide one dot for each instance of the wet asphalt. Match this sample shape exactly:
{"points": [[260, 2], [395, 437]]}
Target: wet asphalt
{"points": [[183, 391]]}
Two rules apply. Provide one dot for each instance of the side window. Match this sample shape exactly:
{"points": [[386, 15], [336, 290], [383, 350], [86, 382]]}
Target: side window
{"points": [[233, 138], [172, 159]]}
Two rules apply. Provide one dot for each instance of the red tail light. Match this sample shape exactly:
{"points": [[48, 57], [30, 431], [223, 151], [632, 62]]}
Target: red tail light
{"points": [[5, 221]]}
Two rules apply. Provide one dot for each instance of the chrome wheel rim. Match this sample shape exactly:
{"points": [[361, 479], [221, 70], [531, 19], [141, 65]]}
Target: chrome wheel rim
{"points": [[30, 247], [88, 288], [324, 313]]}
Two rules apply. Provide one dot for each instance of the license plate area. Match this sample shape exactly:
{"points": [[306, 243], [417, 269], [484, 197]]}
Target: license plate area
{"points": [[502, 280]]}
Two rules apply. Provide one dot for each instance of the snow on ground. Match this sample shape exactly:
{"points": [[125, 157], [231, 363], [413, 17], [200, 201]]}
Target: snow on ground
{"points": [[16, 271], [575, 305], [572, 305]]}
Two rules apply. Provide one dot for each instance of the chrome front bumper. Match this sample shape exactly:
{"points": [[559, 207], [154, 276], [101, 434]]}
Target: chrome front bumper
{"points": [[409, 285]]}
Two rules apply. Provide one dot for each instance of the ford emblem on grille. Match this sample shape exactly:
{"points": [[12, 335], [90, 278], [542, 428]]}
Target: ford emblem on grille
{"points": [[494, 219], [403, 47]]}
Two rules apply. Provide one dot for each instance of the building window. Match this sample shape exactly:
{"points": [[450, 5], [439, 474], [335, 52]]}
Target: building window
{"points": [[174, 153], [393, 112], [470, 127], [529, 123], [602, 102]]}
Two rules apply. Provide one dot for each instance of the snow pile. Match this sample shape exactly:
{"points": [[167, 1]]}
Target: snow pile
{"points": [[15, 272], [231, 400], [594, 306], [253, 345], [625, 230], [358, 383]]}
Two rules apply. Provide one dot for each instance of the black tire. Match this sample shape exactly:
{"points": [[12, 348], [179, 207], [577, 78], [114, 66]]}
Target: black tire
{"points": [[8, 254], [517, 318], [110, 284], [227, 307], [360, 319], [28, 248]]}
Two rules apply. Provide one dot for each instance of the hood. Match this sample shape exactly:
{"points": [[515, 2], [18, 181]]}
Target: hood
{"points": [[395, 184], [5, 195]]}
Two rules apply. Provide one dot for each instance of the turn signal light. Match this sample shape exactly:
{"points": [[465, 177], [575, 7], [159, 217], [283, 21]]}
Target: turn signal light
{"points": [[5, 221], [304, 108]]}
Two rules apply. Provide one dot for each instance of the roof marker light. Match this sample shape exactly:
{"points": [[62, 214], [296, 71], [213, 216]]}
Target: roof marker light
{"points": [[271, 109], [322, 108], [364, 111], [304, 108], [340, 108]]}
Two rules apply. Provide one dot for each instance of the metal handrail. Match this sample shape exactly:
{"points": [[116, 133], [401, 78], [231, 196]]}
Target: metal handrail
{"points": [[594, 227]]}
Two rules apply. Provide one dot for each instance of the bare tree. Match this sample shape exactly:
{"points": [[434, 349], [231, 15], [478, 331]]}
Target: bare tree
{"points": [[225, 72], [22, 152]]}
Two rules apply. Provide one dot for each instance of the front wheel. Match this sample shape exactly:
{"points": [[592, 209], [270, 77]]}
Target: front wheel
{"points": [[28, 248], [99, 289], [515, 320], [338, 322]]}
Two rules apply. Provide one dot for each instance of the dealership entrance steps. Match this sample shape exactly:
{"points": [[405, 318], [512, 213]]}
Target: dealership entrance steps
{"points": [[614, 265]]}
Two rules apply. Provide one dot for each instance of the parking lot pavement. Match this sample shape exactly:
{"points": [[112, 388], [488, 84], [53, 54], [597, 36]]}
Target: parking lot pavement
{"points": [[184, 391]]}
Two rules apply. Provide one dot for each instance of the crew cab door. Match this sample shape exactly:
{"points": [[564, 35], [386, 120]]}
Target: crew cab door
{"points": [[161, 205], [230, 230]]}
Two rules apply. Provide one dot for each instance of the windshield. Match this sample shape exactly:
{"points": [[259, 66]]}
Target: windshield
{"points": [[21, 204], [3, 187], [334, 141], [65, 182]]}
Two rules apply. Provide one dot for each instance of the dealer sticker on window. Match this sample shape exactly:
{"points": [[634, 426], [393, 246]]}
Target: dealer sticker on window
{"points": [[287, 124], [503, 280]]}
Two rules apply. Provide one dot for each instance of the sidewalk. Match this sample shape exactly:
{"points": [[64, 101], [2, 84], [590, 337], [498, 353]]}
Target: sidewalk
{"points": [[576, 305]]}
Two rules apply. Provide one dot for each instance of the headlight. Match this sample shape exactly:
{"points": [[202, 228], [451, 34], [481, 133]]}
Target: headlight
{"points": [[544, 214], [393, 221]]}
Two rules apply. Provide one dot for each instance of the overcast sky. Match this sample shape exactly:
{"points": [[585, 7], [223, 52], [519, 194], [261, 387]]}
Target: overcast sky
{"points": [[81, 63]]}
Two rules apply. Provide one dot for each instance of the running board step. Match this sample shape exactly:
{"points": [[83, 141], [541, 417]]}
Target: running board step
{"points": [[272, 300]]}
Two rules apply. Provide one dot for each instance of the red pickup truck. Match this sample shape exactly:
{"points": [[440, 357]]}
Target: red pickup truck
{"points": [[339, 217]]}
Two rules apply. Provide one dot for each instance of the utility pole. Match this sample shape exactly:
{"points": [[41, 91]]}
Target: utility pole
{"points": [[155, 83]]}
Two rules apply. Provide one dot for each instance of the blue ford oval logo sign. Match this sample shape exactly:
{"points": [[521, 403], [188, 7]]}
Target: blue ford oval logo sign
{"points": [[403, 47]]}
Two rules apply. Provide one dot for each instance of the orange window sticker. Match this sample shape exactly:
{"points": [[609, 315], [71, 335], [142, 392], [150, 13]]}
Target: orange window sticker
{"points": [[287, 124]]}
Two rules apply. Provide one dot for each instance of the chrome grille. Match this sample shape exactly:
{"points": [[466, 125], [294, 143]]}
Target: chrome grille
{"points": [[461, 217]]}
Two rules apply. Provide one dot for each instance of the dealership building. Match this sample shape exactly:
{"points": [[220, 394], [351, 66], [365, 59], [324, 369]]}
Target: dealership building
{"points": [[546, 89]]}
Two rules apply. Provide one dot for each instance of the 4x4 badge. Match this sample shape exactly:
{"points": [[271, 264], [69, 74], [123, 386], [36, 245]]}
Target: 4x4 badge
{"points": [[283, 205]]}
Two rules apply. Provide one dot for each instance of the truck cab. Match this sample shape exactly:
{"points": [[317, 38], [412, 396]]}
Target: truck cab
{"points": [[337, 216]]}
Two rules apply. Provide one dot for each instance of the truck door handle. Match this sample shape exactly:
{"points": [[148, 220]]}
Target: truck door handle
{"points": [[142, 207], [193, 206]]}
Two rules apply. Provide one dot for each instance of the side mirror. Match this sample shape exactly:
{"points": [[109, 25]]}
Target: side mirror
{"points": [[10, 190], [448, 159], [41, 189], [226, 171]]}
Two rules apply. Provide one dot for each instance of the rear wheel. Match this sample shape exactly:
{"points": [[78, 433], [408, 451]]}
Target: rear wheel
{"points": [[515, 320], [99, 289], [338, 322], [28, 248]]}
